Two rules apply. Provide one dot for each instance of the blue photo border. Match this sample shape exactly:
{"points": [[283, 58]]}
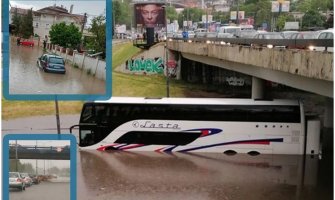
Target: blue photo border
{"points": [[84, 97], [73, 158]]}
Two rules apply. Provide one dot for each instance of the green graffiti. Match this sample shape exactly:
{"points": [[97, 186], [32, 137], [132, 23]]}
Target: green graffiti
{"points": [[146, 65]]}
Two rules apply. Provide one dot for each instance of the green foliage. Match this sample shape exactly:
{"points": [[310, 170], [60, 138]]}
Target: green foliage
{"points": [[98, 28], [171, 13], [17, 166], [64, 35], [16, 21], [23, 25], [283, 17], [122, 12], [27, 28], [313, 18], [192, 14]]}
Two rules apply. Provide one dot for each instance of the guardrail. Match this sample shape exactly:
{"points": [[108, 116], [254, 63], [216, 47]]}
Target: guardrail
{"points": [[292, 43]]}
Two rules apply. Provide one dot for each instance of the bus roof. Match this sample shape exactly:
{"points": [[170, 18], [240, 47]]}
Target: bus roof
{"points": [[198, 101]]}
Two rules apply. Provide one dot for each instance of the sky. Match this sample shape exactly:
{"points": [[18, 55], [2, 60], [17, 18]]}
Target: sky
{"points": [[93, 7]]}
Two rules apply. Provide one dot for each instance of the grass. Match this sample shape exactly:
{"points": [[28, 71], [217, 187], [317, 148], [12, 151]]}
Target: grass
{"points": [[123, 85], [17, 109]]}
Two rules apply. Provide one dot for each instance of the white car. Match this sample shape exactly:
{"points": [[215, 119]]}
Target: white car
{"points": [[325, 34], [16, 181]]}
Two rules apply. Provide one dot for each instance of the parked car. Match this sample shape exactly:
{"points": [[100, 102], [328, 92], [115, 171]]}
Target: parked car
{"points": [[52, 63], [27, 180], [27, 43], [34, 178], [16, 181]]}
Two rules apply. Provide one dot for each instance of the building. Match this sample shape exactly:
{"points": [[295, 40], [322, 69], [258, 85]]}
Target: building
{"points": [[44, 18]]}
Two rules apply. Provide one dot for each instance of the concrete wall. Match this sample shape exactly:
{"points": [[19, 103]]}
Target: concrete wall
{"points": [[93, 66], [154, 56], [311, 64]]}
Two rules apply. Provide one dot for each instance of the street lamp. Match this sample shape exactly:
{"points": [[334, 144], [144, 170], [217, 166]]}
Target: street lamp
{"points": [[166, 55]]}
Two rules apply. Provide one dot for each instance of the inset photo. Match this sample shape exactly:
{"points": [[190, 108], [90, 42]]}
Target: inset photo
{"points": [[57, 48], [38, 169]]}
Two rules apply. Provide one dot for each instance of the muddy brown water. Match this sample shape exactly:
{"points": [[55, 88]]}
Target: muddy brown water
{"points": [[25, 77]]}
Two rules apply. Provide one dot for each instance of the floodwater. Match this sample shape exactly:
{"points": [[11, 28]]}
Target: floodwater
{"points": [[25, 77], [201, 176]]}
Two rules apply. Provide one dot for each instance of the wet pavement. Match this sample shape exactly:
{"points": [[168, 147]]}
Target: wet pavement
{"points": [[43, 191], [25, 77]]}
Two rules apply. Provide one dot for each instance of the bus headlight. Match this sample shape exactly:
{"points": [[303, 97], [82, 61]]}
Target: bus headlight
{"points": [[222, 42], [208, 42], [170, 39], [189, 41], [311, 48]]}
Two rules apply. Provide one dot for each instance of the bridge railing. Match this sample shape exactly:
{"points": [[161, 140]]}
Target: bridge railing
{"points": [[285, 43]]}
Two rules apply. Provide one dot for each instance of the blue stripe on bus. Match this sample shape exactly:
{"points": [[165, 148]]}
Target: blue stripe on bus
{"points": [[235, 142]]}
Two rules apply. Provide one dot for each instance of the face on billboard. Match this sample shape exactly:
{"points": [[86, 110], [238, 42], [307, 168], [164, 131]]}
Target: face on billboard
{"points": [[150, 15]]}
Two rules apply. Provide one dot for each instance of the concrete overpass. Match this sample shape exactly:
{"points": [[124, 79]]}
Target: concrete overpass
{"points": [[36, 152], [302, 69]]}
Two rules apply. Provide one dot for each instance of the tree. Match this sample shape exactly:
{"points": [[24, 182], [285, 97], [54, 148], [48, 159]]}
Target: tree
{"points": [[64, 35], [98, 28], [16, 21], [27, 28], [171, 13], [284, 17], [313, 18]]}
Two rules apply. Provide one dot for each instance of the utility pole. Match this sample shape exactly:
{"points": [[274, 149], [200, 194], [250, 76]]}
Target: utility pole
{"points": [[237, 13], [57, 115]]}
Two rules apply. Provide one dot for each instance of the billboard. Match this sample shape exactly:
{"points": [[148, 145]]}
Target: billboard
{"points": [[283, 6], [150, 14], [234, 13]]}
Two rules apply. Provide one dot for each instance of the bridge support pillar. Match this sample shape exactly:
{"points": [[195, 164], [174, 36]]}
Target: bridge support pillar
{"points": [[257, 90], [328, 129]]}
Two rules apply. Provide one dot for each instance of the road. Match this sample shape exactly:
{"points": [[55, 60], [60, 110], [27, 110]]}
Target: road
{"points": [[25, 77], [43, 191]]}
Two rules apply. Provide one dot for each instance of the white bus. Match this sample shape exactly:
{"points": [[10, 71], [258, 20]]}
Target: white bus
{"points": [[197, 125]]}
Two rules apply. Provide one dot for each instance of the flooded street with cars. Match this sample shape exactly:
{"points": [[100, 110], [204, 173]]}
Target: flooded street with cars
{"points": [[195, 176], [25, 77]]}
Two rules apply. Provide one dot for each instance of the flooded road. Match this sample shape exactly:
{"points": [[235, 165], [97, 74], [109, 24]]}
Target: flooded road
{"points": [[25, 77], [120, 175], [42, 191], [151, 175]]}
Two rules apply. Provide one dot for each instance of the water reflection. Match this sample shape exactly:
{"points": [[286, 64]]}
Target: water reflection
{"points": [[150, 175]]}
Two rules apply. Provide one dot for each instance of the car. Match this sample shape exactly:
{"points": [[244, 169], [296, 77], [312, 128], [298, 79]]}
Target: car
{"points": [[34, 179], [268, 36], [324, 34], [16, 181], [27, 43], [301, 35], [287, 34], [27, 180], [52, 63], [191, 34]]}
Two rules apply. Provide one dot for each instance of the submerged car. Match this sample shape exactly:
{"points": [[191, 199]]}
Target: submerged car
{"points": [[52, 63], [16, 181]]}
